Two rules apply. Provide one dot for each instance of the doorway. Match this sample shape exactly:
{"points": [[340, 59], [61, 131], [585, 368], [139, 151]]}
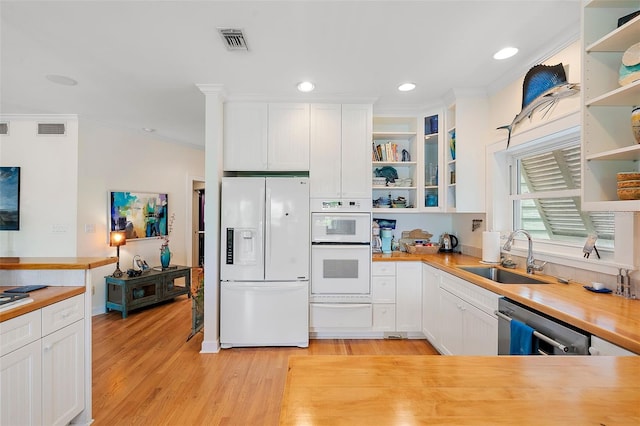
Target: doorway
{"points": [[197, 221]]}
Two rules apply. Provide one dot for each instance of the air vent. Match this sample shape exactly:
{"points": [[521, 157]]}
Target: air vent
{"points": [[233, 38], [4, 128], [51, 128]]}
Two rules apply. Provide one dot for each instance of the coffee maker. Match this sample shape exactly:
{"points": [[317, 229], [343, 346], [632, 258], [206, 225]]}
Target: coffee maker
{"points": [[387, 236]]}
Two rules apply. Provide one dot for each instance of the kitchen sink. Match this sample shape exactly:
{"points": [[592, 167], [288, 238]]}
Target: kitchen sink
{"points": [[500, 275]]}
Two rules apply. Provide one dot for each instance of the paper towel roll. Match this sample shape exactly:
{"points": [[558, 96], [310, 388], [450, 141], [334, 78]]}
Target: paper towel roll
{"points": [[491, 246]]}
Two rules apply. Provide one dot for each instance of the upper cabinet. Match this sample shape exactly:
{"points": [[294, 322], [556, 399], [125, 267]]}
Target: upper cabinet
{"points": [[395, 152], [608, 144], [340, 136], [464, 152], [266, 137], [409, 148]]}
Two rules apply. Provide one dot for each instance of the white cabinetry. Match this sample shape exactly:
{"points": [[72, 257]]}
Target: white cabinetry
{"points": [[260, 136], [397, 296], [602, 347], [339, 162], [43, 381], [464, 153], [409, 296], [468, 323], [607, 141], [430, 304], [21, 370], [392, 136], [383, 295]]}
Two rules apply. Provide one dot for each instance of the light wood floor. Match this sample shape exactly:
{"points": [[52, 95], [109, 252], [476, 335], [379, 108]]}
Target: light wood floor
{"points": [[146, 373]]}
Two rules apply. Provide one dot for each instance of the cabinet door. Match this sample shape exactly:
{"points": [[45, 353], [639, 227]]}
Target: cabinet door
{"points": [[384, 317], [383, 289], [21, 386], [288, 137], [63, 374], [245, 136], [479, 331], [357, 123], [430, 300], [326, 141], [450, 323], [408, 296]]}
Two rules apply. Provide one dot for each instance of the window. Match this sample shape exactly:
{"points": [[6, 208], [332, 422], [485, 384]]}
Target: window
{"points": [[546, 197]]}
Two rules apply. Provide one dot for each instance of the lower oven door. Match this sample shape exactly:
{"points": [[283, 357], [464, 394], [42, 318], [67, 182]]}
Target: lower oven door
{"points": [[340, 269]]}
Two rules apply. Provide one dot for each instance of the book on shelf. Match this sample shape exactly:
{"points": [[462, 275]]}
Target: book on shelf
{"points": [[385, 152]]}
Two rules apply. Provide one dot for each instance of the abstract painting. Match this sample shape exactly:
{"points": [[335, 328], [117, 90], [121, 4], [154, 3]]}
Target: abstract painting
{"points": [[139, 214], [9, 198]]}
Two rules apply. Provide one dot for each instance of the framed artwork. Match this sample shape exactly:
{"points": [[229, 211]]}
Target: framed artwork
{"points": [[139, 214], [9, 198]]}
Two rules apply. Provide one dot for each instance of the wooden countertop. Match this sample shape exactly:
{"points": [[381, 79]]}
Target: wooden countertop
{"points": [[608, 316], [41, 298], [55, 262], [452, 390]]}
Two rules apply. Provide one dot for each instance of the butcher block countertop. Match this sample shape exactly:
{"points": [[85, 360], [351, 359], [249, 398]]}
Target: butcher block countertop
{"points": [[55, 262], [608, 316], [452, 390], [41, 298]]}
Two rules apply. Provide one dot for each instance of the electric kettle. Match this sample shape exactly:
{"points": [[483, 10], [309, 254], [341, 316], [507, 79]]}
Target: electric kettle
{"points": [[448, 242]]}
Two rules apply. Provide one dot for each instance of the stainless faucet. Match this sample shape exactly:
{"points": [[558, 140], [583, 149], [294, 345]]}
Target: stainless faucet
{"points": [[531, 262]]}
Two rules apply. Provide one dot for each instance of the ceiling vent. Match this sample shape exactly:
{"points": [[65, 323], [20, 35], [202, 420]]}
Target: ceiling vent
{"points": [[51, 128], [4, 128], [233, 38]]}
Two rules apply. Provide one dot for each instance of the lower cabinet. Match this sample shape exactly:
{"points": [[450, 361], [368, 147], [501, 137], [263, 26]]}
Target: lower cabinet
{"points": [[468, 325], [430, 304], [396, 289], [409, 296], [42, 381], [602, 347]]}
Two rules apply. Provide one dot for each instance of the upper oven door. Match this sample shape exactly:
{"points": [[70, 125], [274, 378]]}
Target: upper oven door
{"points": [[341, 228]]}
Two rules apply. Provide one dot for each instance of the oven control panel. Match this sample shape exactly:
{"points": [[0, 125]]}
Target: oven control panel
{"points": [[341, 205]]}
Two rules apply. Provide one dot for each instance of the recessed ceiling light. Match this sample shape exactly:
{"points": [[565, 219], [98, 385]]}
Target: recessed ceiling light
{"points": [[61, 79], [505, 53], [148, 129], [406, 87], [306, 86]]}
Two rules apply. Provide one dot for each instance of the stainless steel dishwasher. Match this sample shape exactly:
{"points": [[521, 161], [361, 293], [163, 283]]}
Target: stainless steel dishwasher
{"points": [[552, 337]]}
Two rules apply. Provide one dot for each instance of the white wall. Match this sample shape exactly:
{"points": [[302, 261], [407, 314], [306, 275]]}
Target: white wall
{"points": [[48, 186], [124, 160], [507, 102]]}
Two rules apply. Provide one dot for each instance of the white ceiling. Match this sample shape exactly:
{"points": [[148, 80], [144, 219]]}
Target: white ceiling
{"points": [[137, 63]]}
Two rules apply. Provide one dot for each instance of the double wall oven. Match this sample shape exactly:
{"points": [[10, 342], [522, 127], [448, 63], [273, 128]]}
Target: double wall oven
{"points": [[340, 265]]}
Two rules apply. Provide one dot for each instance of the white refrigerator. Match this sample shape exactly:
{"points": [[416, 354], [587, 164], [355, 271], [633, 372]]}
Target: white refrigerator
{"points": [[264, 266]]}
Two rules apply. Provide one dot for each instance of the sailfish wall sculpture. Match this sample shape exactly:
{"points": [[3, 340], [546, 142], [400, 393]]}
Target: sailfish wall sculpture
{"points": [[543, 87]]}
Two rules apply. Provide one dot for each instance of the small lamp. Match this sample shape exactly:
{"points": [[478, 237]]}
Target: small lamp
{"points": [[117, 239]]}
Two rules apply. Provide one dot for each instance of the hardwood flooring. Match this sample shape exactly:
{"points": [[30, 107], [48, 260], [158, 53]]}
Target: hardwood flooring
{"points": [[146, 373]]}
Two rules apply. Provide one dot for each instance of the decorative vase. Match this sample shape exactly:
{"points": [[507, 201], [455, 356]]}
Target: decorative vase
{"points": [[635, 122], [165, 256]]}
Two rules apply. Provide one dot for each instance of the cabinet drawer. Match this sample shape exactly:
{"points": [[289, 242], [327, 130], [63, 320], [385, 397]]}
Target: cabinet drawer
{"points": [[383, 289], [383, 268], [384, 317], [20, 331], [340, 315], [61, 314]]}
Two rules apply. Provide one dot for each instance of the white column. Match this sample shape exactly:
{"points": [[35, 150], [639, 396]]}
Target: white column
{"points": [[214, 100]]}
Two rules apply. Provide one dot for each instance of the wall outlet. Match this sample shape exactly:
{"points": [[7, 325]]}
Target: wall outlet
{"points": [[89, 228], [58, 229]]}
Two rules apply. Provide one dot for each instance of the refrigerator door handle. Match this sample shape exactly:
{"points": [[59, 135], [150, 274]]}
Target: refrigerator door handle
{"points": [[267, 227]]}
